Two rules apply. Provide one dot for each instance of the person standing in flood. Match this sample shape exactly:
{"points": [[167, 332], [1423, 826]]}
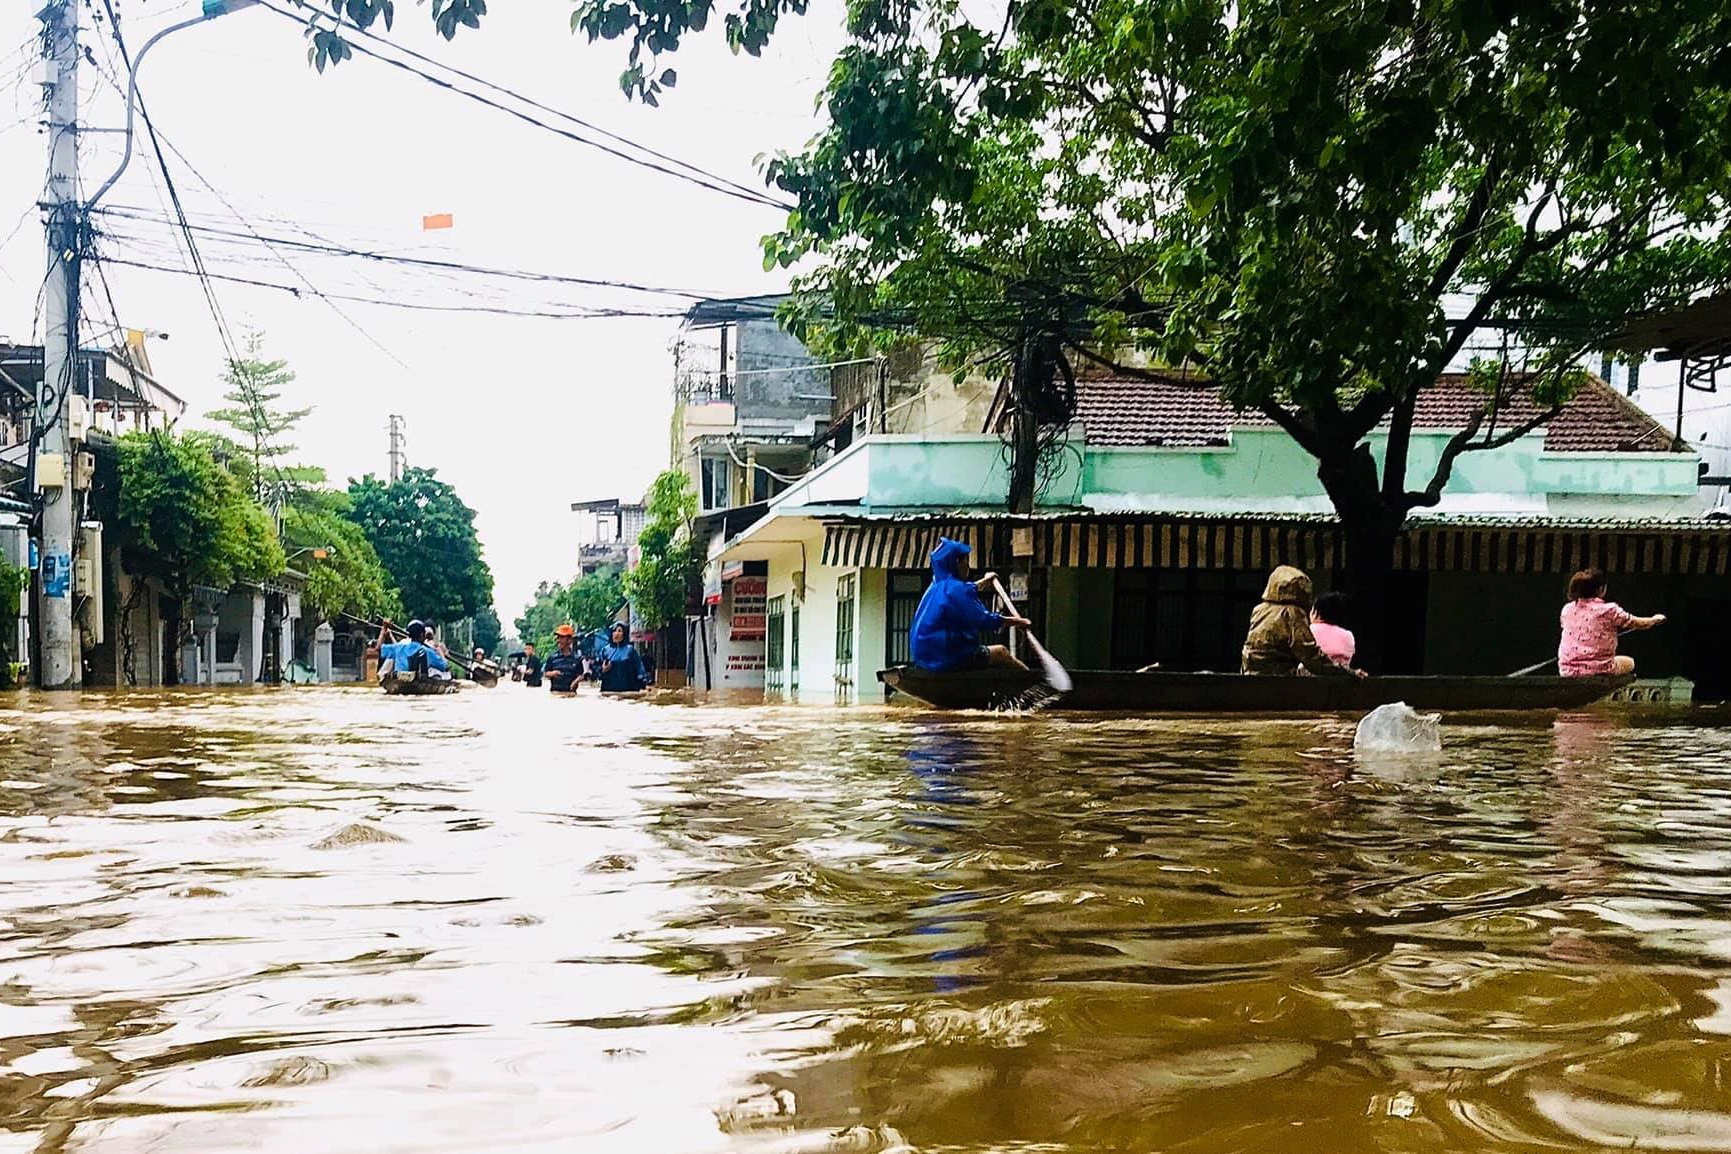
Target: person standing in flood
{"points": [[529, 662], [621, 664], [1280, 641], [945, 634], [564, 666], [1590, 627]]}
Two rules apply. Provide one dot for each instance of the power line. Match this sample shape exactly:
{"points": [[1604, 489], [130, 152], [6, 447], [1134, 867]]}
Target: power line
{"points": [[704, 174], [707, 181], [415, 261], [302, 277], [413, 306], [234, 361]]}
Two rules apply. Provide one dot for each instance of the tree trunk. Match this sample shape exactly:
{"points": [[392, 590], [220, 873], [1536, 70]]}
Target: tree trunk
{"points": [[1369, 528]]}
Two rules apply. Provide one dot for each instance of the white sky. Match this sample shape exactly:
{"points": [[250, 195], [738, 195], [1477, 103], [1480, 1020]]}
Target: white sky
{"points": [[523, 416]]}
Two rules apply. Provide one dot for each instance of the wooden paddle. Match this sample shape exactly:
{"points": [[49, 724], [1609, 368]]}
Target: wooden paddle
{"points": [[1056, 675]]}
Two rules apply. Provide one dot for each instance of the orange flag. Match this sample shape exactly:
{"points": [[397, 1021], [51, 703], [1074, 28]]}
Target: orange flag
{"points": [[436, 220]]}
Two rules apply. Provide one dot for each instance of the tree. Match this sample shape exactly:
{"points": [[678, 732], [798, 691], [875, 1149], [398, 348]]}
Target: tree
{"points": [[671, 559], [255, 385], [591, 601], [344, 573], [488, 630], [541, 616], [426, 538], [185, 521]]}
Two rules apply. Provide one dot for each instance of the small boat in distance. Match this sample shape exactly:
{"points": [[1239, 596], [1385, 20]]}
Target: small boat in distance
{"points": [[1158, 691]]}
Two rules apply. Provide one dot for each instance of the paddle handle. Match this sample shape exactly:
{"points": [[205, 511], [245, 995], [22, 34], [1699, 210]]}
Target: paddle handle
{"points": [[998, 588]]}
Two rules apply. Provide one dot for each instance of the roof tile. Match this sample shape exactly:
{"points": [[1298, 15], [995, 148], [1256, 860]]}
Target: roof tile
{"points": [[1179, 412]]}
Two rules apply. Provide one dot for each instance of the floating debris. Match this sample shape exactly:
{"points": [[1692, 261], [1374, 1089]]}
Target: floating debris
{"points": [[353, 835]]}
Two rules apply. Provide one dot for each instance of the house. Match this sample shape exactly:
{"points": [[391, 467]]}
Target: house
{"points": [[1689, 389], [617, 525], [1166, 508]]}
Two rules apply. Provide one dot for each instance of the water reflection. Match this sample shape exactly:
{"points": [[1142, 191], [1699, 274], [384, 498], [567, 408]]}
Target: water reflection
{"points": [[322, 920]]}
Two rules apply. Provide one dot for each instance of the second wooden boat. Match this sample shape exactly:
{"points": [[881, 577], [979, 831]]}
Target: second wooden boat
{"points": [[1109, 690]]}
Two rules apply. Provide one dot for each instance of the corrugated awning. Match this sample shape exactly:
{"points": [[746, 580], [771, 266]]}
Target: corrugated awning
{"points": [[1170, 542]]}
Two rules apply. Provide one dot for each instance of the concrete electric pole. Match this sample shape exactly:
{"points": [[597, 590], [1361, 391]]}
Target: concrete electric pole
{"points": [[396, 448], [60, 665]]}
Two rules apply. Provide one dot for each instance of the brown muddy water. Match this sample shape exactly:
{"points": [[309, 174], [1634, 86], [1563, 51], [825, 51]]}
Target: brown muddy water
{"points": [[325, 921]]}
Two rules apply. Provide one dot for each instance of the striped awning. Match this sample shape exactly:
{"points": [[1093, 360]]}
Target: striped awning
{"points": [[1261, 543]]}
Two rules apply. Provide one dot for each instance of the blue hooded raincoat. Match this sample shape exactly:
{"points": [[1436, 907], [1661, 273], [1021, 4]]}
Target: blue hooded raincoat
{"points": [[947, 625]]}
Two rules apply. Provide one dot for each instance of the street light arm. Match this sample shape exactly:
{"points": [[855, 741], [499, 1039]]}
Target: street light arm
{"points": [[211, 11]]}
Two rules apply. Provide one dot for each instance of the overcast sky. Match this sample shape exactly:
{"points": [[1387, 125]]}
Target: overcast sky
{"points": [[523, 416]]}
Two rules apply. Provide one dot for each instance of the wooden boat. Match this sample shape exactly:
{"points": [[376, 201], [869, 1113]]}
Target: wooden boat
{"points": [[1106, 690], [407, 684]]}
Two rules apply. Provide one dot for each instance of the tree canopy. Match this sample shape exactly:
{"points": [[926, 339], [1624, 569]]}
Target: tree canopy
{"points": [[671, 559], [185, 520], [254, 386], [344, 573], [542, 615], [488, 630], [426, 538]]}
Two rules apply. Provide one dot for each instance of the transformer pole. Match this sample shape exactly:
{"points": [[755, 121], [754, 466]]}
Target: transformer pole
{"points": [[61, 667]]}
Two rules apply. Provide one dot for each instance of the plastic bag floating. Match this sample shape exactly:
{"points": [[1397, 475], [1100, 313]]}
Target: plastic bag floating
{"points": [[1398, 728]]}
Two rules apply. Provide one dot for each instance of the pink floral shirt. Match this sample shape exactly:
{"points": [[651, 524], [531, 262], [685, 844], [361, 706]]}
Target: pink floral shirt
{"points": [[1590, 628], [1337, 644]]}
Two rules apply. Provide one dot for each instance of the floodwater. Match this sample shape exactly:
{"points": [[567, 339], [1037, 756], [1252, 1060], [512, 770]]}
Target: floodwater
{"points": [[323, 921]]}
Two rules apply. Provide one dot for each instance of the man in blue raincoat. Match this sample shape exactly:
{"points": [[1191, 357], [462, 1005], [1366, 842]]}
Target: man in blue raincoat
{"points": [[947, 625]]}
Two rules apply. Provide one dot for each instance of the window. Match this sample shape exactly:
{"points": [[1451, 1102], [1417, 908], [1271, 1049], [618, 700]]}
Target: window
{"points": [[715, 478], [775, 648], [764, 486], [793, 656], [844, 613], [905, 591]]}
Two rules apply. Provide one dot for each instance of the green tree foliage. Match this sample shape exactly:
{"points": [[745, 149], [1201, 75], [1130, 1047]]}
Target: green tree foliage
{"points": [[14, 579], [488, 630], [1319, 205], [542, 615], [254, 386], [591, 601], [349, 577], [426, 538], [186, 521], [671, 559]]}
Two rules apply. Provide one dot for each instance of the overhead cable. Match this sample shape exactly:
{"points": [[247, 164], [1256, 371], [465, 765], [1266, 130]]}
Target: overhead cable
{"points": [[712, 183]]}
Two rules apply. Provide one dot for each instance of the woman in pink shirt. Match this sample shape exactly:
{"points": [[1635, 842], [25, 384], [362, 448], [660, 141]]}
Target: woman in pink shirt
{"points": [[1590, 628], [1335, 641]]}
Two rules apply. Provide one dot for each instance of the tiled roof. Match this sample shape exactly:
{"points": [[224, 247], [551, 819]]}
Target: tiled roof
{"points": [[1180, 413]]}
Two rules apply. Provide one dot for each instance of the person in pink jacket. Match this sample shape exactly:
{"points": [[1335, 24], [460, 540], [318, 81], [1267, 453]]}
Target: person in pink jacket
{"points": [[1333, 638], [1590, 627]]}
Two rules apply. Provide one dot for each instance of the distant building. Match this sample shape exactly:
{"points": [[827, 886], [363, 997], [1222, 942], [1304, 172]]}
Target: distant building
{"points": [[617, 525]]}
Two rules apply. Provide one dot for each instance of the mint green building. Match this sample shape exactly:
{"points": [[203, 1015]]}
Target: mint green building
{"points": [[1155, 532]]}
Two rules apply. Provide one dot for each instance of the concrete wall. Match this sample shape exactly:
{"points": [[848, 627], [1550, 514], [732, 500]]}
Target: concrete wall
{"points": [[1262, 471], [762, 390]]}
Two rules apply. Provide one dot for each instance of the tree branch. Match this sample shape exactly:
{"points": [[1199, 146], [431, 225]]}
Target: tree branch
{"points": [[1289, 422], [1466, 229], [1463, 442]]}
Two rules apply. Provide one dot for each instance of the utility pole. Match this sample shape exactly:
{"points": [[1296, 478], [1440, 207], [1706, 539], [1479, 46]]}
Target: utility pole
{"points": [[60, 665], [396, 448]]}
